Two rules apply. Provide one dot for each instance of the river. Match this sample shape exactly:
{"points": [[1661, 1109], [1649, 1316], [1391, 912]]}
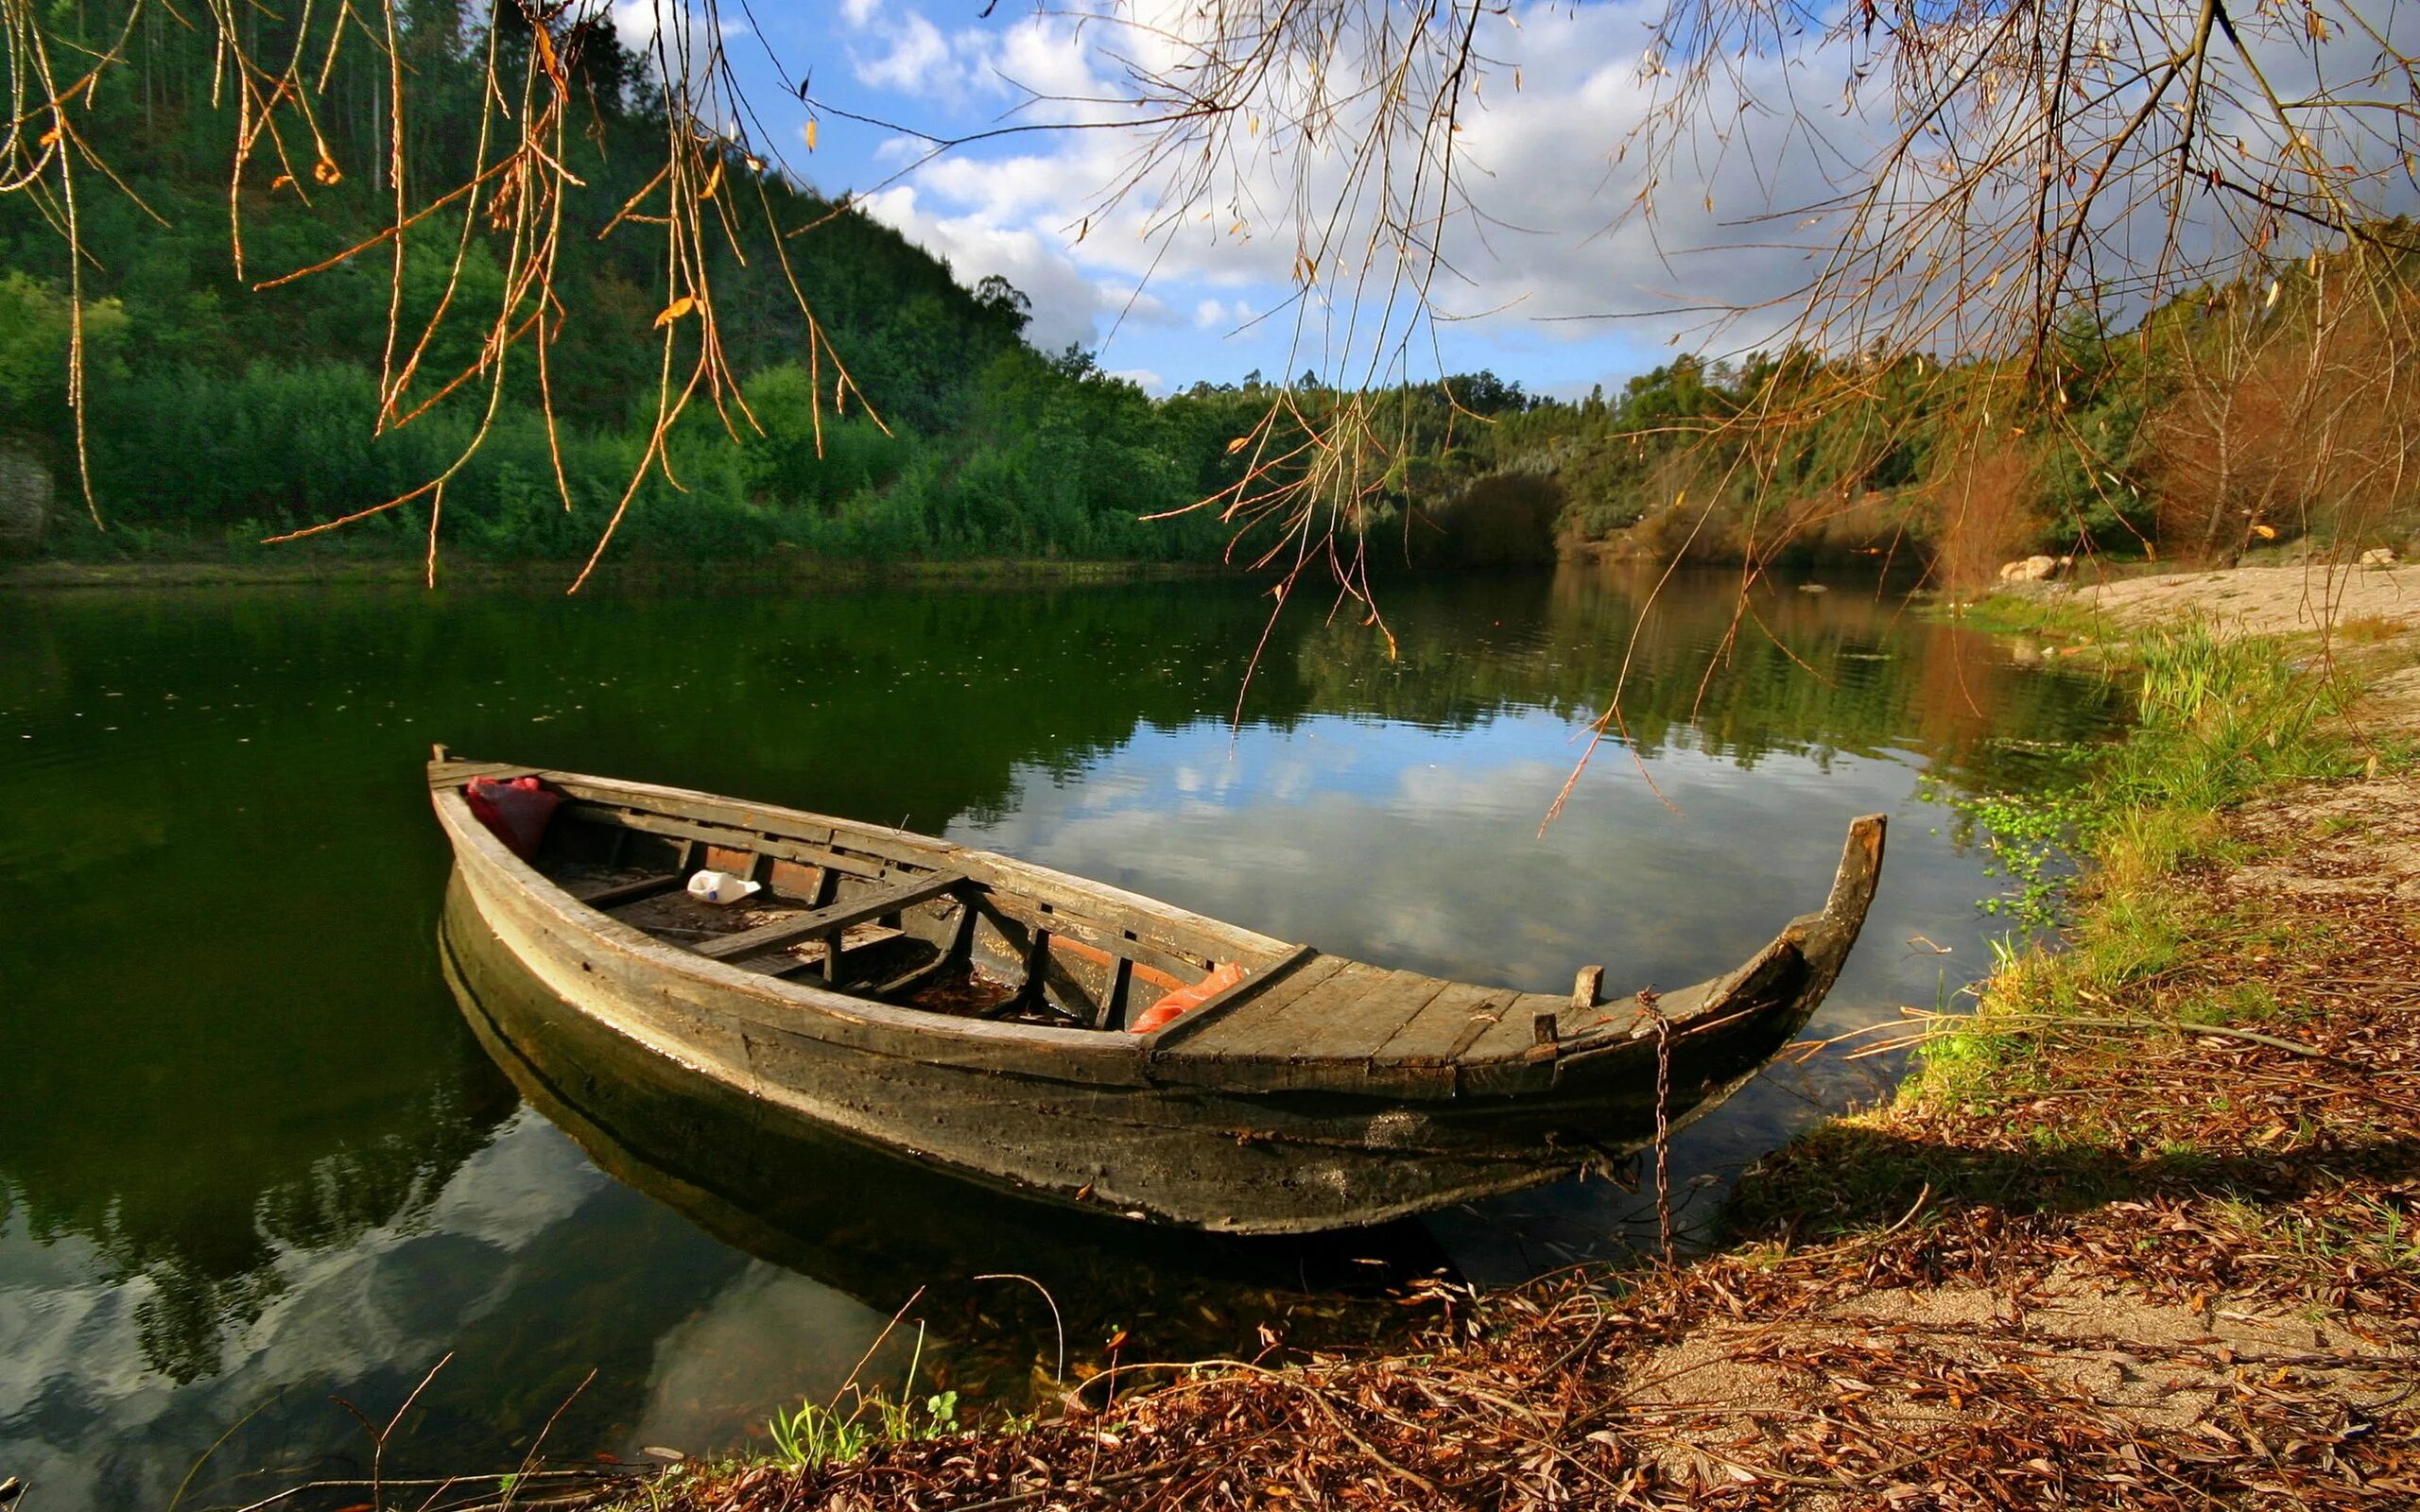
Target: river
{"points": [[253, 1161]]}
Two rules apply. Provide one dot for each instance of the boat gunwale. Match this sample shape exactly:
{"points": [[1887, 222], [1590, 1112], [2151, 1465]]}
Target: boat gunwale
{"points": [[1018, 877], [463, 828]]}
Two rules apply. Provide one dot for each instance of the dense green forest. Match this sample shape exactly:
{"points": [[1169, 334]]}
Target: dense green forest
{"points": [[220, 412], [2264, 411]]}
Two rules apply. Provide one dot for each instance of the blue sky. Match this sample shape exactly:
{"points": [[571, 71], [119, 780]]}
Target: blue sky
{"points": [[1548, 281], [1541, 158]]}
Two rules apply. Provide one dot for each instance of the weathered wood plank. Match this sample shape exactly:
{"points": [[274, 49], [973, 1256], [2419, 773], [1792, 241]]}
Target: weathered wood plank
{"points": [[1112, 1014], [1065, 943], [1588, 988], [1099, 934], [892, 845], [1373, 1020], [1237, 999], [829, 920], [1050, 984], [1325, 1042], [787, 965], [620, 893], [1172, 929], [724, 834], [1190, 1036], [1445, 1026], [1283, 1018], [1515, 1034], [455, 774], [815, 829], [1349, 1027]]}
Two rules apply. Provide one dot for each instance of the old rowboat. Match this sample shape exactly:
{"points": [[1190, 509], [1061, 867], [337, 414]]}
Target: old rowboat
{"points": [[970, 1010]]}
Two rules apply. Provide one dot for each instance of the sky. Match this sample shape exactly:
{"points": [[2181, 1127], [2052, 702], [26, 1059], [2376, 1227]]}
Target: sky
{"points": [[1211, 304], [1546, 279]]}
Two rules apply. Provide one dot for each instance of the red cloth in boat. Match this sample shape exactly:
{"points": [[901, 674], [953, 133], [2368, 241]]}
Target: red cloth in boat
{"points": [[515, 811]]}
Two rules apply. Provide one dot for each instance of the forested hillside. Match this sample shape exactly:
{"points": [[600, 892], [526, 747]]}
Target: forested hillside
{"points": [[226, 406], [221, 410], [2271, 409]]}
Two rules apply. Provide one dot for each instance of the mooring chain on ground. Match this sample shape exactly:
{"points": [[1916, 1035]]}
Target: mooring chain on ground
{"points": [[1652, 1004]]}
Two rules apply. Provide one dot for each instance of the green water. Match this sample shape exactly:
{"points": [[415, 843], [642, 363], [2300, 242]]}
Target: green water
{"points": [[253, 1161]]}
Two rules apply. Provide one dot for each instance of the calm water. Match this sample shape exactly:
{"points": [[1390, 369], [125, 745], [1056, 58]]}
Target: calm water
{"points": [[253, 1161]]}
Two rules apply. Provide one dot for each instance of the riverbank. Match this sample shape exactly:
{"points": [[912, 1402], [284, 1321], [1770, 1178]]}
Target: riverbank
{"points": [[2361, 604], [2137, 1234]]}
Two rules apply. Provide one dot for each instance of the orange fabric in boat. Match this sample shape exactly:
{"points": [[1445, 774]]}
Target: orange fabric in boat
{"points": [[1186, 999]]}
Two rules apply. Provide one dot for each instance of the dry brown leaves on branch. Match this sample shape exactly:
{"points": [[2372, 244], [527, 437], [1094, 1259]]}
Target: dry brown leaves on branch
{"points": [[515, 197]]}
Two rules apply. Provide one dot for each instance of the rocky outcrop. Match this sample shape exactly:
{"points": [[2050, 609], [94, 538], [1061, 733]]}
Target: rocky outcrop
{"points": [[2035, 569], [25, 502]]}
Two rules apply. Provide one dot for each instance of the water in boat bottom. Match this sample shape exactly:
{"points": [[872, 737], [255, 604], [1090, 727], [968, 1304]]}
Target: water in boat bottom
{"points": [[258, 1161]]}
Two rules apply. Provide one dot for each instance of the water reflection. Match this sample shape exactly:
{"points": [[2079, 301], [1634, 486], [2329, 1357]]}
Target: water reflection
{"points": [[254, 1148]]}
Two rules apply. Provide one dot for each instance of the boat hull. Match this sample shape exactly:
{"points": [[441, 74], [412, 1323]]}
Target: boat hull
{"points": [[1271, 1163]]}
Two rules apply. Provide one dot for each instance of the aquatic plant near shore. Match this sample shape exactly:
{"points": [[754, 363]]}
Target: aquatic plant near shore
{"points": [[812, 1434], [2217, 718]]}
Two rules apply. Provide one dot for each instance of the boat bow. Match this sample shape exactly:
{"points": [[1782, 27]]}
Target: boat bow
{"points": [[1759, 1004]]}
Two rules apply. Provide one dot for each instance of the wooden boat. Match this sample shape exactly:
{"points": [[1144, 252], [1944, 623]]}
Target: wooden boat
{"points": [[882, 1228], [971, 1011]]}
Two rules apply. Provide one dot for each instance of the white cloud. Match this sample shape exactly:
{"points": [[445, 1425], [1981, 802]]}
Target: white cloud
{"points": [[1550, 255], [1069, 306], [1547, 265], [1143, 307], [1143, 378], [768, 1325], [921, 59], [1550, 190]]}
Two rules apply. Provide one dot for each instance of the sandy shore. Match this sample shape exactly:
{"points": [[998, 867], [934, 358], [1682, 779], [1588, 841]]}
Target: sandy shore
{"points": [[2259, 600]]}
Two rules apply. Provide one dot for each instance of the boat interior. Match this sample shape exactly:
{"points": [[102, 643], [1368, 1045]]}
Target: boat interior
{"points": [[895, 917], [914, 922]]}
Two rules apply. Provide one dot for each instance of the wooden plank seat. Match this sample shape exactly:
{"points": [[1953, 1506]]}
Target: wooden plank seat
{"points": [[615, 895], [831, 923]]}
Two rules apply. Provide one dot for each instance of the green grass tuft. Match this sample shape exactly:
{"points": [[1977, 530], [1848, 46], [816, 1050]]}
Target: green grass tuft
{"points": [[2217, 720]]}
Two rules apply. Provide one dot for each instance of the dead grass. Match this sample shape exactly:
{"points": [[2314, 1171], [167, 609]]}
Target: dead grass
{"points": [[2368, 629]]}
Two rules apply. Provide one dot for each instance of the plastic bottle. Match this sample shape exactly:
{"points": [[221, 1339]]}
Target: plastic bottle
{"points": [[722, 887]]}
